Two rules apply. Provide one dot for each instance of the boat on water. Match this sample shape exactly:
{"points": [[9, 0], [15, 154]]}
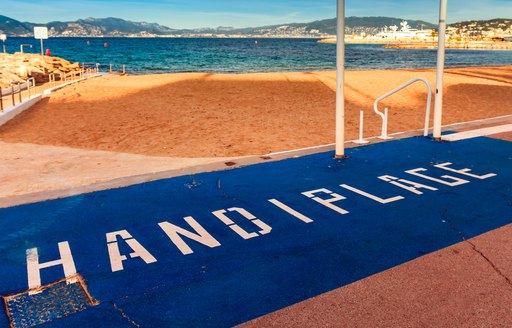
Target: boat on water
{"points": [[405, 32]]}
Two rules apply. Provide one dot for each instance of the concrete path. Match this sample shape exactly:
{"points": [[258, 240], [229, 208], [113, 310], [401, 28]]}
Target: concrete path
{"points": [[32, 172]]}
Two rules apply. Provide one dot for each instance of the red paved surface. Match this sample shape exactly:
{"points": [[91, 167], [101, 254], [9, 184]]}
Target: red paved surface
{"points": [[503, 136], [466, 285]]}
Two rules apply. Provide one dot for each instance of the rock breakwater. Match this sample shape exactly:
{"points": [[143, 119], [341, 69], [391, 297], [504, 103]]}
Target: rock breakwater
{"points": [[20, 66]]}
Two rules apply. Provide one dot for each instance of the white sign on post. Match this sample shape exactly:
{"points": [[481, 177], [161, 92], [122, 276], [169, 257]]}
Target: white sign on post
{"points": [[41, 32]]}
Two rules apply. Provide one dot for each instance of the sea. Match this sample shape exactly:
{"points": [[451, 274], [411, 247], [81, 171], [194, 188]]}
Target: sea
{"points": [[220, 55]]}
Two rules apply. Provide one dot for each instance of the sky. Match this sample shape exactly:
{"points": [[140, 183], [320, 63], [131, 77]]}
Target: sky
{"points": [[246, 13]]}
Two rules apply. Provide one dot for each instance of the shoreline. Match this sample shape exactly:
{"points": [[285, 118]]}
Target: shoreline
{"points": [[315, 71], [12, 64], [507, 46], [412, 44]]}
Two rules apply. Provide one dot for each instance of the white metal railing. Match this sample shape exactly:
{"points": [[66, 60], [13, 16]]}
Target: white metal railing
{"points": [[63, 76], [90, 67], [31, 85], [112, 68], [51, 78], [122, 66], [384, 116], [17, 88]]}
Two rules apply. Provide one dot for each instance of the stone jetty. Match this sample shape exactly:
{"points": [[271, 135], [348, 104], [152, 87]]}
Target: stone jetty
{"points": [[20, 66]]}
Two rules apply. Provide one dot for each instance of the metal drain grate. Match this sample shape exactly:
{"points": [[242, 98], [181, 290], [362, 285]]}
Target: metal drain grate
{"points": [[53, 301]]}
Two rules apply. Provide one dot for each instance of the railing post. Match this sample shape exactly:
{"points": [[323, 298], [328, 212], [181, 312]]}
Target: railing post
{"points": [[124, 68], [1, 100], [110, 68], [385, 124], [12, 94], [361, 127], [19, 90]]}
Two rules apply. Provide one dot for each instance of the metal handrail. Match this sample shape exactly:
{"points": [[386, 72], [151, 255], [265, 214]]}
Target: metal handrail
{"points": [[31, 86], [17, 87], [51, 78], [88, 67], [96, 67], [91, 67], [123, 67], [384, 116]]}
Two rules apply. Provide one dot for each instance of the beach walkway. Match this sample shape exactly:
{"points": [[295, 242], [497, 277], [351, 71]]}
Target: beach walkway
{"points": [[409, 232]]}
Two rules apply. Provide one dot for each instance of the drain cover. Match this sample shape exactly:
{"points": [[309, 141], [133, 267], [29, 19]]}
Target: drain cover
{"points": [[54, 301]]}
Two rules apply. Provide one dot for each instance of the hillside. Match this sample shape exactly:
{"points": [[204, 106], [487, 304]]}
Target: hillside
{"points": [[85, 27], [116, 27], [119, 27], [13, 27], [478, 28]]}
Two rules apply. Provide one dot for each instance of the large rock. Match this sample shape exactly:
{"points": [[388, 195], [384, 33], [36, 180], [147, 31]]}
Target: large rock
{"points": [[18, 67]]}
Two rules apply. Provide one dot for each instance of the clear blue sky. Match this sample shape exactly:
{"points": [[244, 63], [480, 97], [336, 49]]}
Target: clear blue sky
{"points": [[245, 13]]}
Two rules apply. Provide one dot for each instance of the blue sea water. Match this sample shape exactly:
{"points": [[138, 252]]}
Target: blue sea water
{"points": [[166, 55]]}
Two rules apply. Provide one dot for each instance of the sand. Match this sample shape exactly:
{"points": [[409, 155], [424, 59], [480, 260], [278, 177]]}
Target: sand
{"points": [[100, 131], [214, 115]]}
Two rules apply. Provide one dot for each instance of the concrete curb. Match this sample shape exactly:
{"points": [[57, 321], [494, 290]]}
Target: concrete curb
{"points": [[220, 165], [12, 111]]}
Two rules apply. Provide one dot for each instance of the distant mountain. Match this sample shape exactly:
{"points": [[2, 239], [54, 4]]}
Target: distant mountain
{"points": [[120, 27], [85, 27], [369, 25], [322, 28], [103, 27], [11, 26]]}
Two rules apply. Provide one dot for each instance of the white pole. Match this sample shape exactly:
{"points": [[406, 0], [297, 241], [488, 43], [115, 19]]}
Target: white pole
{"points": [[340, 80], [361, 124], [385, 124], [438, 102]]}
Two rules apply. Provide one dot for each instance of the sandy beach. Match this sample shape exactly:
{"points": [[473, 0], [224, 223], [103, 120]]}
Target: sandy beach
{"points": [[214, 115], [113, 127]]}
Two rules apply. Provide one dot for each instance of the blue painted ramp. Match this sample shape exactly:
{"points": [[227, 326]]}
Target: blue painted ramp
{"points": [[218, 249]]}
